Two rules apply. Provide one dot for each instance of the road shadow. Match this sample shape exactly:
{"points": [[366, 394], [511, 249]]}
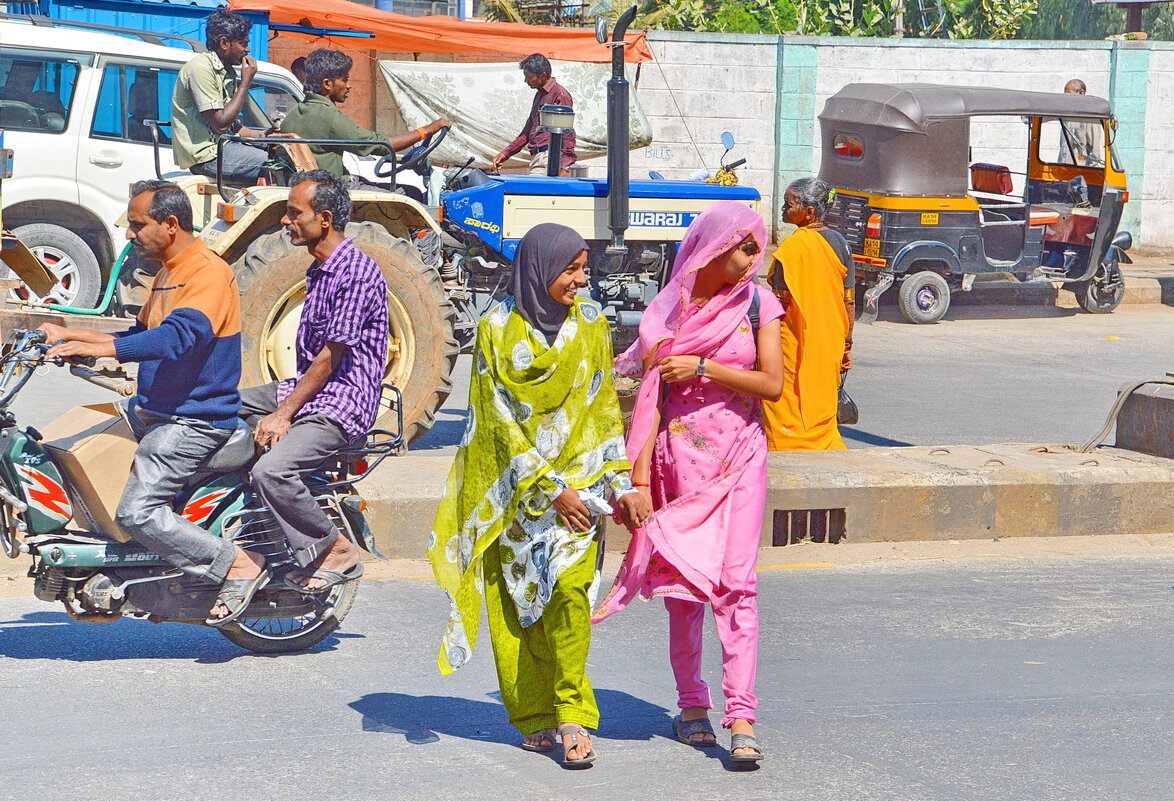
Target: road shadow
{"points": [[54, 635], [445, 432], [865, 438], [421, 719]]}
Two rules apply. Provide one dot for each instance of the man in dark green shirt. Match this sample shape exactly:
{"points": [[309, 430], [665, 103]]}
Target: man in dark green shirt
{"points": [[328, 74]]}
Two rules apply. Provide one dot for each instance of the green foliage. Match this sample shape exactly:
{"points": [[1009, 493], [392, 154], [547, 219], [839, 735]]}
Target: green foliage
{"points": [[959, 19]]}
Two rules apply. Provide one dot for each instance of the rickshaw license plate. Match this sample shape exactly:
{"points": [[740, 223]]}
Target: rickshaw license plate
{"points": [[930, 218], [872, 248]]}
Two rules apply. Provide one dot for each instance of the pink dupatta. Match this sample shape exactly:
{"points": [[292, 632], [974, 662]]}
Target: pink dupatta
{"points": [[668, 329]]}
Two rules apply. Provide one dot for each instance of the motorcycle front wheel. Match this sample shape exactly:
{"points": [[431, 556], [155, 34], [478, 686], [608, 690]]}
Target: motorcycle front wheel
{"points": [[283, 635]]}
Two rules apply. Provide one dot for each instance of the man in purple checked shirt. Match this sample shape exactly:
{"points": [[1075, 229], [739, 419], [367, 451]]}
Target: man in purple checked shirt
{"points": [[341, 360]]}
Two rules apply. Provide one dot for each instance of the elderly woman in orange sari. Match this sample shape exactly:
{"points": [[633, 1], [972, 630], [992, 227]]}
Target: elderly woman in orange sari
{"points": [[814, 276]]}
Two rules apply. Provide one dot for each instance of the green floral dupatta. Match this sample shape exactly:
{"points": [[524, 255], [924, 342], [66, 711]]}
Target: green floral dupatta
{"points": [[536, 412]]}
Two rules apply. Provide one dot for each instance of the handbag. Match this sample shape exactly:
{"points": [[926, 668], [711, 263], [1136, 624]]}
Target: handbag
{"points": [[847, 412]]}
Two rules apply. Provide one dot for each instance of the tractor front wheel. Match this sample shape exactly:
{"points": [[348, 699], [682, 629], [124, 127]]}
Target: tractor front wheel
{"points": [[422, 349]]}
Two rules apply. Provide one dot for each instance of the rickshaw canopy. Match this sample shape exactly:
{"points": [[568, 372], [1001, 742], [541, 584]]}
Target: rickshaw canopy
{"points": [[913, 139], [913, 107]]}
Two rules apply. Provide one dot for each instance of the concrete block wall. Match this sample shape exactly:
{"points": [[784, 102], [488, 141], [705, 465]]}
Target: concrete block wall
{"points": [[1157, 191], [699, 86]]}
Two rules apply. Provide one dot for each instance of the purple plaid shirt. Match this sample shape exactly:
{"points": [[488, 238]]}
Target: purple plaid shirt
{"points": [[346, 302]]}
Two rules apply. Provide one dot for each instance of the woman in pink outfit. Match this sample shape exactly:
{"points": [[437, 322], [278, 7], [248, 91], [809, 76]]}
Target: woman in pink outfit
{"points": [[709, 352]]}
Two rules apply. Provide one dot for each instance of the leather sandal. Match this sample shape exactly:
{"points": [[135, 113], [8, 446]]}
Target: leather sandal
{"points": [[686, 730], [745, 741], [546, 742], [574, 730], [236, 595]]}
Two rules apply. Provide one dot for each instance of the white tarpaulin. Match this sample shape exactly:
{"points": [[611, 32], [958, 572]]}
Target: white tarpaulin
{"points": [[487, 105]]}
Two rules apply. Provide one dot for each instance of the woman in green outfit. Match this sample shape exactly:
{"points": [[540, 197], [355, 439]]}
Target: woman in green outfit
{"points": [[521, 519]]}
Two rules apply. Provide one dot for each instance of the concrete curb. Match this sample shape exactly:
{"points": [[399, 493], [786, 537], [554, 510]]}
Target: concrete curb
{"points": [[1138, 290], [878, 495]]}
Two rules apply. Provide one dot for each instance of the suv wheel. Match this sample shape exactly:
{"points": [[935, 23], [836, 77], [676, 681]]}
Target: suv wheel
{"points": [[67, 257]]}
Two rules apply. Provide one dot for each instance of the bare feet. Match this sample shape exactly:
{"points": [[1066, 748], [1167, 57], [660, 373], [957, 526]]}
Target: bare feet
{"points": [[575, 751], [246, 565], [742, 727], [341, 556]]}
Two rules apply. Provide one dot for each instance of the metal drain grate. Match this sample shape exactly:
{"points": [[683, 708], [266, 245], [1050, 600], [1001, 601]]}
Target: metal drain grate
{"points": [[808, 525]]}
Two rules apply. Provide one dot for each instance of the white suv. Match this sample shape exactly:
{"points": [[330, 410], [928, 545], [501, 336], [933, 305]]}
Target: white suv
{"points": [[72, 106]]}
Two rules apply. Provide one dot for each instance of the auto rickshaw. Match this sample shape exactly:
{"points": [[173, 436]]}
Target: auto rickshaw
{"points": [[919, 211]]}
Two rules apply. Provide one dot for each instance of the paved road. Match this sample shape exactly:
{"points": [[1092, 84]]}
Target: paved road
{"points": [[1043, 678], [988, 374]]}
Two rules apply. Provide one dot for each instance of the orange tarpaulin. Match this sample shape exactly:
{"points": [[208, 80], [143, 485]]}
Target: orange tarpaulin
{"points": [[440, 34]]}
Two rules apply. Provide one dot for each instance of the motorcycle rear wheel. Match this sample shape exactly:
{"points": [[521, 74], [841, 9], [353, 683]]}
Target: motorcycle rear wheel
{"points": [[288, 635]]}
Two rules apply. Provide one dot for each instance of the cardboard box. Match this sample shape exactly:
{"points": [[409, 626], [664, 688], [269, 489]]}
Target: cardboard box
{"points": [[95, 448]]}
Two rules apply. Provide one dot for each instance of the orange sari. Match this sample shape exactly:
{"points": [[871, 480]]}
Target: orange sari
{"points": [[815, 327]]}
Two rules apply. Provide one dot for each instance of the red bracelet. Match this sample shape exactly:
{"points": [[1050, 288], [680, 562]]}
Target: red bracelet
{"points": [[639, 484]]}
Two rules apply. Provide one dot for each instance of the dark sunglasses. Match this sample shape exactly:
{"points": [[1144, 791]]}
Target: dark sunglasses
{"points": [[749, 247]]}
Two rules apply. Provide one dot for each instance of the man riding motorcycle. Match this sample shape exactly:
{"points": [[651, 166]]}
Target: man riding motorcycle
{"points": [[187, 343], [341, 358]]}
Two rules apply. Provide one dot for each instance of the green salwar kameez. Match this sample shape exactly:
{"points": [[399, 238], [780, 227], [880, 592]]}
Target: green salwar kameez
{"points": [[542, 668]]}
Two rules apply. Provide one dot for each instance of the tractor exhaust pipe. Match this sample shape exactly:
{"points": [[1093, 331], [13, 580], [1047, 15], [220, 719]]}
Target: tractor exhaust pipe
{"points": [[617, 132]]}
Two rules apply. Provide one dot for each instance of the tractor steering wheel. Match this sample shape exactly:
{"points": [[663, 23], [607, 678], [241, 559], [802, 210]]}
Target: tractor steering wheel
{"points": [[419, 154], [386, 167]]}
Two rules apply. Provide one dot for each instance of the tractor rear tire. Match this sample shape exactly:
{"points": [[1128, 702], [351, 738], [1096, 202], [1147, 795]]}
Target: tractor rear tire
{"points": [[423, 348]]}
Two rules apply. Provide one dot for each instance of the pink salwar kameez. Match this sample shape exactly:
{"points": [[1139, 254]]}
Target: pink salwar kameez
{"points": [[708, 475]]}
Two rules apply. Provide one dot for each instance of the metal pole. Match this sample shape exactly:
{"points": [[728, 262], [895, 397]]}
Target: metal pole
{"points": [[554, 154], [617, 138]]}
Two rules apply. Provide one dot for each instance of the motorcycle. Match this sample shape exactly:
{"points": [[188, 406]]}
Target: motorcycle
{"points": [[99, 578]]}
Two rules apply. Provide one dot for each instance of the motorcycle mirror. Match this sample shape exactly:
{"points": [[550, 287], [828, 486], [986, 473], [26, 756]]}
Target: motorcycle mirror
{"points": [[728, 140], [601, 29]]}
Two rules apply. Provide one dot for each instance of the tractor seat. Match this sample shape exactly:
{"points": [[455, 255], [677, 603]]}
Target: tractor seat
{"points": [[235, 453], [1042, 215]]}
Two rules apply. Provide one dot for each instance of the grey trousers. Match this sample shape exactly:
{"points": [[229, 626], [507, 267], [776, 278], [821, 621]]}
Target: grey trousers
{"points": [[170, 450], [279, 475], [241, 162]]}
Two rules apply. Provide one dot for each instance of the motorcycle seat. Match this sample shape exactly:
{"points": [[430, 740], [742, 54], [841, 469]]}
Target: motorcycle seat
{"points": [[235, 453]]}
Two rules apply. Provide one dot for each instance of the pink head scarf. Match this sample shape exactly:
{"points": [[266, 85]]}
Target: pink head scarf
{"points": [[669, 329]]}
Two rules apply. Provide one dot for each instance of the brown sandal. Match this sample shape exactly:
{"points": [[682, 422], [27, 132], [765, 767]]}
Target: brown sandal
{"points": [[574, 730]]}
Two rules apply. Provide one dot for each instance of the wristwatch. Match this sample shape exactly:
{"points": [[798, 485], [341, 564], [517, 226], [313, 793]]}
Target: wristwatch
{"points": [[700, 371]]}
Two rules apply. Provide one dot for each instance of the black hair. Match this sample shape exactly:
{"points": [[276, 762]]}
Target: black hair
{"points": [[226, 25], [326, 65], [535, 64], [330, 194], [814, 193], [169, 201]]}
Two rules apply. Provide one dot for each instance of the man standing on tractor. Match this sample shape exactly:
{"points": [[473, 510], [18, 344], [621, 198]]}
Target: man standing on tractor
{"points": [[207, 99], [187, 343], [536, 71], [328, 82], [341, 357]]}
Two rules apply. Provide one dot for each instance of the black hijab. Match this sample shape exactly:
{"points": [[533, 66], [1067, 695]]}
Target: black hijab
{"points": [[544, 252]]}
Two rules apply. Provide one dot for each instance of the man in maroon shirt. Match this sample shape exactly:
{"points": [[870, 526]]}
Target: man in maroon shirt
{"points": [[536, 70]]}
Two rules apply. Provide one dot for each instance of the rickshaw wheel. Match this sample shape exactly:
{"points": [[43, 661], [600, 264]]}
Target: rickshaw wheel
{"points": [[1097, 298], [924, 297]]}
